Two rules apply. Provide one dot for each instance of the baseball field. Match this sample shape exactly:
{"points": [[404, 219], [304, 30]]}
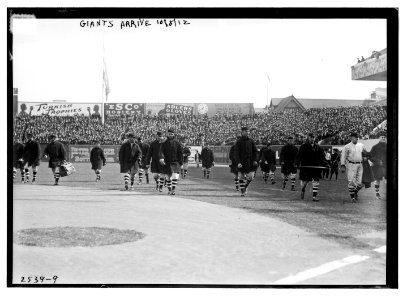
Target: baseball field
{"points": [[88, 232]]}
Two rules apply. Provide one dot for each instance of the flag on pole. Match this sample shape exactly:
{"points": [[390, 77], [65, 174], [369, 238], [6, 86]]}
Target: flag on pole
{"points": [[268, 77], [106, 86]]}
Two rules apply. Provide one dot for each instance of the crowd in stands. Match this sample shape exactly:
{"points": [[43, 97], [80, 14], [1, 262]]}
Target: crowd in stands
{"points": [[332, 124]]}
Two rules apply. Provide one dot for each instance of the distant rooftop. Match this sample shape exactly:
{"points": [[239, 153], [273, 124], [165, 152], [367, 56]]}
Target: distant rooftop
{"points": [[320, 103]]}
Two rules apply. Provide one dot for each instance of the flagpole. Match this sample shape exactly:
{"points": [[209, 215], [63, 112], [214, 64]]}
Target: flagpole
{"points": [[103, 85]]}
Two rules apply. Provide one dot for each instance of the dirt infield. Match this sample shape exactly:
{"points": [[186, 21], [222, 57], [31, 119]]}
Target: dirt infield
{"points": [[191, 241]]}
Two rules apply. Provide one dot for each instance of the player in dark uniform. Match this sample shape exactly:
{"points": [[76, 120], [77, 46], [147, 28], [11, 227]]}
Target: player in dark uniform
{"points": [[208, 161], [246, 159], [233, 166], [154, 158], [288, 156], [268, 163], [171, 159], [311, 160], [56, 152], [31, 157], [97, 159], [143, 169], [260, 161], [18, 151], [378, 156], [335, 161], [129, 158], [186, 152]]}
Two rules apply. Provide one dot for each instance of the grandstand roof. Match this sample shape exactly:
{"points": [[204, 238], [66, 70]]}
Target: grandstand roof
{"points": [[319, 103]]}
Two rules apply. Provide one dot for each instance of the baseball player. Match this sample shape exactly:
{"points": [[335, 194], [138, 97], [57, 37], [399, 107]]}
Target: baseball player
{"points": [[287, 161], [153, 158], [310, 159], [129, 158], [56, 152], [186, 152], [378, 156], [246, 159], [207, 161], [97, 159], [31, 157], [171, 160], [352, 159]]}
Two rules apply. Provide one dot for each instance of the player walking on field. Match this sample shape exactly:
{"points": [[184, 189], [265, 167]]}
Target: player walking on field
{"points": [[129, 158], [208, 161], [310, 159], [352, 159], [378, 156], [335, 160], [57, 156], [268, 163], [288, 156], [143, 169], [233, 166], [186, 152], [246, 159], [97, 159], [171, 160], [31, 157], [18, 150], [154, 158]]}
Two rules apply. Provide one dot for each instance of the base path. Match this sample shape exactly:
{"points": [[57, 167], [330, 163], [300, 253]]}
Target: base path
{"points": [[186, 242]]}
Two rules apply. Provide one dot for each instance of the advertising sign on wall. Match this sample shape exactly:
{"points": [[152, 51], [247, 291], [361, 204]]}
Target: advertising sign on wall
{"points": [[169, 108], [223, 108], [81, 153], [57, 109], [114, 109]]}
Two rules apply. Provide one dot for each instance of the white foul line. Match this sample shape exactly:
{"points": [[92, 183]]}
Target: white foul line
{"points": [[381, 249], [325, 268]]}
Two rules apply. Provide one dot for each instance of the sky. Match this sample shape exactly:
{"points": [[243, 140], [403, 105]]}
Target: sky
{"points": [[207, 60]]}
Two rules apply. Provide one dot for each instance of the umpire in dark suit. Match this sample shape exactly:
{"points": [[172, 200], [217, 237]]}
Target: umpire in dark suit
{"points": [[129, 158], [56, 152], [246, 159]]}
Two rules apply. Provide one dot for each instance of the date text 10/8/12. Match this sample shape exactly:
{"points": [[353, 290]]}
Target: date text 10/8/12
{"points": [[38, 279], [135, 23]]}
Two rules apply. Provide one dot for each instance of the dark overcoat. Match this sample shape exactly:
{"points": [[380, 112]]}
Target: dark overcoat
{"points": [[246, 154], [367, 174], [18, 151], [97, 158], [32, 153], [260, 156], [335, 160], [171, 152], [56, 152], [288, 156], [311, 155], [233, 164], [378, 156], [153, 157], [129, 157], [269, 156], [144, 150], [186, 152], [207, 158]]}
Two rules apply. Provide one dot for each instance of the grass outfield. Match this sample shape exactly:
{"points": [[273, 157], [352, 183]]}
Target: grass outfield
{"points": [[333, 217]]}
